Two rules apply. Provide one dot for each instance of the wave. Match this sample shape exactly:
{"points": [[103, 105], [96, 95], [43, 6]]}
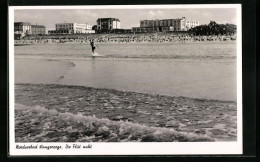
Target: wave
{"points": [[49, 125]]}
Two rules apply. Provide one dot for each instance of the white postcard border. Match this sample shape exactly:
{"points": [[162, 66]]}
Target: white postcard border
{"points": [[129, 148]]}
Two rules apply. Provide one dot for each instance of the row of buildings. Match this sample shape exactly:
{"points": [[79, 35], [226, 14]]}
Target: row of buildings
{"points": [[28, 29], [108, 25], [104, 25], [166, 25]]}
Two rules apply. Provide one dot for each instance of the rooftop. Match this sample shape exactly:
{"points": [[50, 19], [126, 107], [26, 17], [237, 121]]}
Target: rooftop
{"points": [[38, 26], [22, 23], [167, 19], [115, 19], [65, 23]]}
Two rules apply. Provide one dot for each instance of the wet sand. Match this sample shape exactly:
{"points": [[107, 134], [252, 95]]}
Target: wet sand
{"points": [[60, 113]]}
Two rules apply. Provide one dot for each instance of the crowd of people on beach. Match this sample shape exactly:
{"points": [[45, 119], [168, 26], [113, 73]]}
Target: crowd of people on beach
{"points": [[130, 38], [160, 38]]}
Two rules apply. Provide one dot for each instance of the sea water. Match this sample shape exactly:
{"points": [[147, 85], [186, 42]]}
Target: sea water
{"points": [[197, 70]]}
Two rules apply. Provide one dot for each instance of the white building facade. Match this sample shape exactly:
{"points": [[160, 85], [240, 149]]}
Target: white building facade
{"points": [[22, 28], [73, 28], [116, 25], [191, 24]]}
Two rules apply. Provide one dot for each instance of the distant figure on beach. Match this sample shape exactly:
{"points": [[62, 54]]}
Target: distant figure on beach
{"points": [[183, 39], [93, 46]]}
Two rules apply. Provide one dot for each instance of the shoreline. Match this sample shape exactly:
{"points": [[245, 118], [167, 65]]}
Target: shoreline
{"points": [[211, 119], [124, 91], [148, 57], [32, 42]]}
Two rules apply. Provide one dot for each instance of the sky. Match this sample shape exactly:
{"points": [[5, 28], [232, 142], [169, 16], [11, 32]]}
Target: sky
{"points": [[128, 17]]}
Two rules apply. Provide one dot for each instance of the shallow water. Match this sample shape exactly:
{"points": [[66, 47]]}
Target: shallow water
{"points": [[186, 50], [207, 70]]}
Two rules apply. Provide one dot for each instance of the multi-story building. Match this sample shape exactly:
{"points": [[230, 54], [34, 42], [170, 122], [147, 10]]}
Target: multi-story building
{"points": [[191, 24], [165, 25], [108, 24], [38, 29], [73, 28], [22, 28]]}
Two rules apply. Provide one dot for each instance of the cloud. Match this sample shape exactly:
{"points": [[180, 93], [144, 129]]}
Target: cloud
{"points": [[86, 13], [153, 14]]}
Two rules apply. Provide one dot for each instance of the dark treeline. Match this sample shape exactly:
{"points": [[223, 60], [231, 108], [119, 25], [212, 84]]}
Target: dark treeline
{"points": [[214, 29]]}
